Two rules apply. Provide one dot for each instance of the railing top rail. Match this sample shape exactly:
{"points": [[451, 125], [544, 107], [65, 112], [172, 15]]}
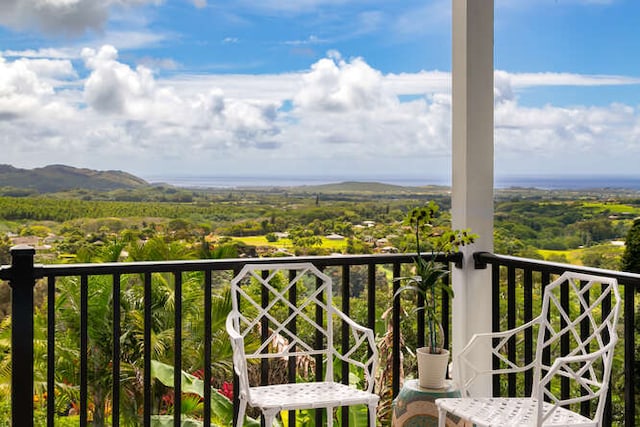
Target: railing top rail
{"points": [[4, 272], [42, 270], [481, 259]]}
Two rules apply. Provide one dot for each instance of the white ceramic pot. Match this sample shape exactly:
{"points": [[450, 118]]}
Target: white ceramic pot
{"points": [[432, 368]]}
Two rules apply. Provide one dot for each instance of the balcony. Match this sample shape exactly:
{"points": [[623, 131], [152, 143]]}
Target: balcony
{"points": [[513, 285], [506, 286]]}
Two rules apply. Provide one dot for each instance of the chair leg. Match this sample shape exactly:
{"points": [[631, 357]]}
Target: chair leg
{"points": [[372, 414], [442, 417], [329, 416], [269, 417], [242, 408]]}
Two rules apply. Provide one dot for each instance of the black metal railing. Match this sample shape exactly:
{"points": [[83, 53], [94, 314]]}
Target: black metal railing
{"points": [[508, 274], [23, 274], [512, 273]]}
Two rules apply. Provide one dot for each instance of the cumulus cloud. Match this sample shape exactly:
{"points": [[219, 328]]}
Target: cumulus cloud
{"points": [[340, 113], [26, 86], [338, 85], [113, 87]]}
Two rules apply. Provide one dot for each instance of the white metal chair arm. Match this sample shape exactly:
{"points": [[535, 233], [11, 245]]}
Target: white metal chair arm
{"points": [[579, 368], [467, 372], [360, 335], [239, 361]]}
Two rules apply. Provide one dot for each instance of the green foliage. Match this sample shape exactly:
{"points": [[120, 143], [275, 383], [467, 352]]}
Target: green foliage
{"points": [[271, 237], [59, 177], [602, 256], [163, 223], [5, 249], [221, 407], [428, 280], [631, 256]]}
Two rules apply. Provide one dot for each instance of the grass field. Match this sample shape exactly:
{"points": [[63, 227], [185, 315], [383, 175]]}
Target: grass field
{"points": [[573, 256], [614, 208], [334, 245]]}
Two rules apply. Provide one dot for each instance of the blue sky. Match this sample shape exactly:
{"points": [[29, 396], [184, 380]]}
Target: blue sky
{"points": [[337, 88]]}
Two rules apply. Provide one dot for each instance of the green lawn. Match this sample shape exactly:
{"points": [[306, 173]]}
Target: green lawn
{"points": [[334, 245], [614, 208], [574, 256]]}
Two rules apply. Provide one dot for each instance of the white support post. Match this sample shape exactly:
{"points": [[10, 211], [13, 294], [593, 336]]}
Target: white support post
{"points": [[472, 181]]}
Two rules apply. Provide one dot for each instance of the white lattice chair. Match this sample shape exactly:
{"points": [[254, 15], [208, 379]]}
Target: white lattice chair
{"points": [[248, 318], [587, 364]]}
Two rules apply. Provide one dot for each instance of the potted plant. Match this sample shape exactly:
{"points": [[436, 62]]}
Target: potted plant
{"points": [[428, 281]]}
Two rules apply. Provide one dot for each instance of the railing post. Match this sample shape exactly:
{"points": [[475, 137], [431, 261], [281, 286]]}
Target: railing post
{"points": [[22, 282]]}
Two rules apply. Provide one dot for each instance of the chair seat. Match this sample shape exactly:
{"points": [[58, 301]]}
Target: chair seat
{"points": [[308, 395], [508, 412]]}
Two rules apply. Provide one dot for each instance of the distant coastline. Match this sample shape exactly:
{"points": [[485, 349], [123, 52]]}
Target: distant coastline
{"points": [[559, 182]]}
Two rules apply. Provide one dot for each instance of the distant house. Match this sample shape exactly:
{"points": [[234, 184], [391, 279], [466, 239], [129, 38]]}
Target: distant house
{"points": [[26, 240], [33, 241], [380, 243], [389, 250], [334, 236], [369, 223]]}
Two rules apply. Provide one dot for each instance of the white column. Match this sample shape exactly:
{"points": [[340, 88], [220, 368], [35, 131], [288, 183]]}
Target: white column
{"points": [[472, 181]]}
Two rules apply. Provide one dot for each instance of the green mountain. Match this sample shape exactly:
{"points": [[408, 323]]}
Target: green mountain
{"points": [[370, 187], [54, 178]]}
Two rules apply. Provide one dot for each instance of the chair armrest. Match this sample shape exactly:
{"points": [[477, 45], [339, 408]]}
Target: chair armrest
{"points": [[467, 371], [237, 345], [360, 335], [579, 368]]}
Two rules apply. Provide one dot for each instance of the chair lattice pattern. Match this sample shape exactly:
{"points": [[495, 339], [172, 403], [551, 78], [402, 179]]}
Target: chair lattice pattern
{"points": [[289, 307], [281, 314], [574, 334]]}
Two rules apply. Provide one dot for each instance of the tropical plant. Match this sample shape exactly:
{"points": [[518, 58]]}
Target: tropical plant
{"points": [[631, 257], [429, 275], [192, 386]]}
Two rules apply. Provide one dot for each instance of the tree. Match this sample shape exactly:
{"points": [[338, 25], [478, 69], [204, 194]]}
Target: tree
{"points": [[5, 249], [631, 256], [631, 263]]}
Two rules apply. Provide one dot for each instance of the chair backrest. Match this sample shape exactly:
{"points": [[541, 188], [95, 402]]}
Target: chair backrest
{"points": [[576, 338], [290, 305]]}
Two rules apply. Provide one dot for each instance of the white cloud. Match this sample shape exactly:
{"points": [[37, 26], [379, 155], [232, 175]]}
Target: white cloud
{"points": [[422, 82], [531, 4], [131, 39], [309, 40], [21, 90], [71, 17], [338, 85], [522, 80], [340, 115], [52, 53]]}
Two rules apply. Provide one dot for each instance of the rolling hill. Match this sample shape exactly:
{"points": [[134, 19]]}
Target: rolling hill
{"points": [[54, 178]]}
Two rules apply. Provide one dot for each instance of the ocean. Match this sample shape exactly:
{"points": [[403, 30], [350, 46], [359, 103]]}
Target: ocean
{"points": [[560, 182]]}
